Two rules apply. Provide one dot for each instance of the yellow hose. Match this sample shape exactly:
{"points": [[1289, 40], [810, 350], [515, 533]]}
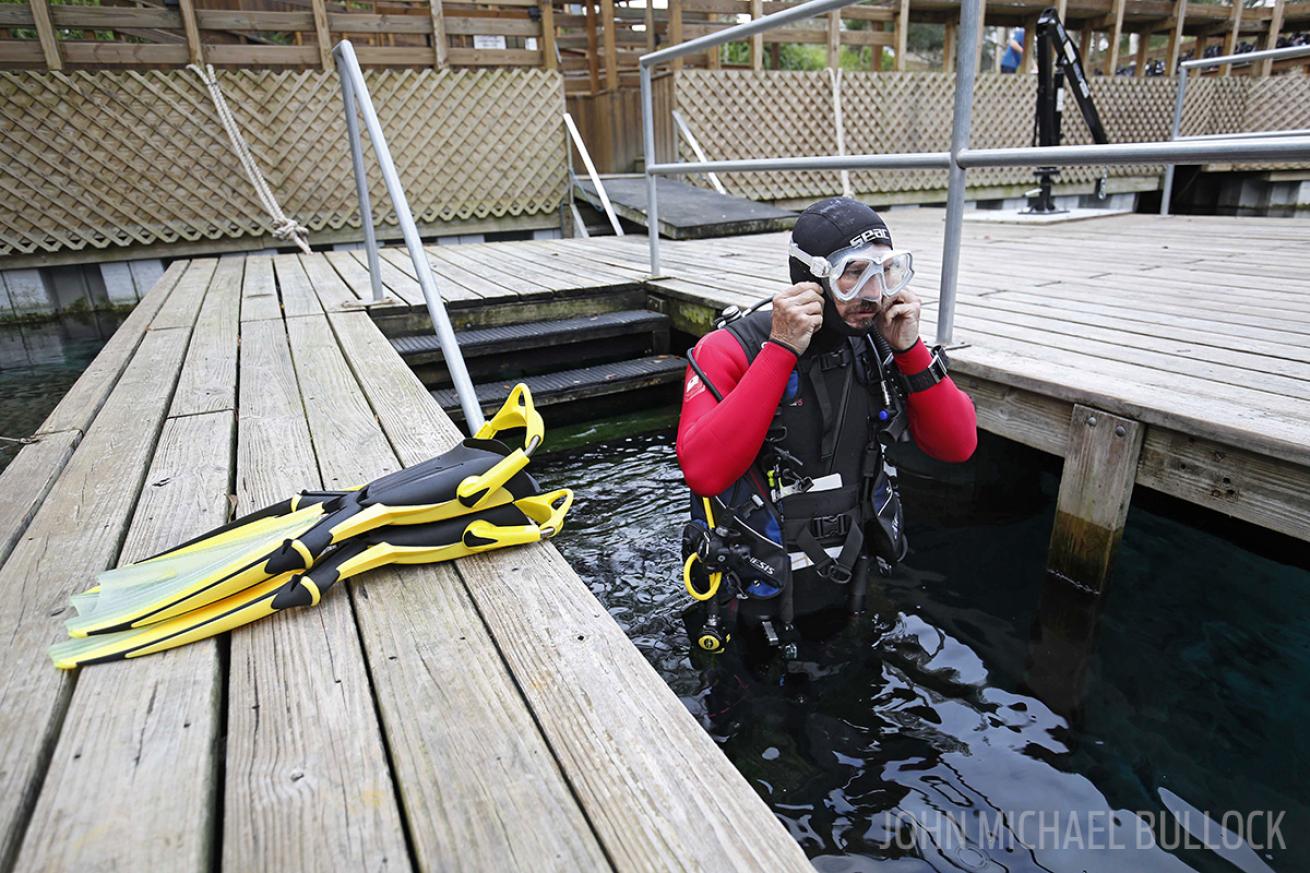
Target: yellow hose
{"points": [[715, 578]]}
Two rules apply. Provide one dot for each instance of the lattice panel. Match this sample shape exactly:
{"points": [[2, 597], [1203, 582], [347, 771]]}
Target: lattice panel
{"points": [[100, 159], [737, 114], [1277, 103]]}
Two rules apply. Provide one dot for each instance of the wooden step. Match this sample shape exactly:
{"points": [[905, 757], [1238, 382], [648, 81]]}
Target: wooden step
{"points": [[582, 383], [513, 338]]}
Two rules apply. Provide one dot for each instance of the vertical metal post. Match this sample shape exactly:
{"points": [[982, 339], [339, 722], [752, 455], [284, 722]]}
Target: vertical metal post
{"points": [[361, 183], [966, 67], [1173, 135], [348, 65], [648, 143]]}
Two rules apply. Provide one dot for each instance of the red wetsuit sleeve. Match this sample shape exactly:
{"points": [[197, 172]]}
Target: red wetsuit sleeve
{"points": [[717, 441], [942, 418]]}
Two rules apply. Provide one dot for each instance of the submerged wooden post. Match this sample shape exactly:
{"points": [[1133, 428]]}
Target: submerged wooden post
{"points": [[1100, 467]]}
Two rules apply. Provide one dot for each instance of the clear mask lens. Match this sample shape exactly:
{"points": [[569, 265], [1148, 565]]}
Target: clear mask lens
{"points": [[870, 274]]}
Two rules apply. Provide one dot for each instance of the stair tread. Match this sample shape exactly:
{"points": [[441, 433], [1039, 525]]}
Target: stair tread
{"points": [[587, 379], [538, 332]]}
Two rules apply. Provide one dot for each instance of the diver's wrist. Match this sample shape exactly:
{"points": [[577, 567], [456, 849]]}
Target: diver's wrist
{"points": [[778, 342]]}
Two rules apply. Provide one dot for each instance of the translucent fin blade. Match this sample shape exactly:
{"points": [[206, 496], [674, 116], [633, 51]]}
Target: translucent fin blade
{"points": [[161, 588], [210, 620]]}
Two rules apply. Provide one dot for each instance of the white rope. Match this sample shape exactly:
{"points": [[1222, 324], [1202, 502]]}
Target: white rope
{"points": [[835, 78], [284, 228]]}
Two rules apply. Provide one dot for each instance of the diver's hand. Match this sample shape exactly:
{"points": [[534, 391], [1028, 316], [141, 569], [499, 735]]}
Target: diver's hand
{"points": [[797, 314], [898, 320]]}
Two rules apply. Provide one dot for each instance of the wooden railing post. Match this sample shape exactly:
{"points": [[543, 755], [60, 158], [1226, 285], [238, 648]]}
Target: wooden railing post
{"points": [[1175, 38], [611, 46], [1271, 40], [593, 52], [1143, 53], [834, 39], [648, 17], [321, 33], [675, 28], [1100, 467], [713, 56], [45, 32], [757, 41], [1028, 62], [438, 16], [1116, 31], [948, 48], [548, 33], [1230, 44], [902, 35]]}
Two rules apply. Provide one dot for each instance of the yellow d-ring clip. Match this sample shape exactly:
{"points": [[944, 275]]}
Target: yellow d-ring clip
{"points": [[715, 578]]}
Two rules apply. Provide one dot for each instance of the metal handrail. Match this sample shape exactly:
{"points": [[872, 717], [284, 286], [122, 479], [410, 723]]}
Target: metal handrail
{"points": [[591, 171], [685, 131], [354, 94], [960, 157], [1201, 63]]}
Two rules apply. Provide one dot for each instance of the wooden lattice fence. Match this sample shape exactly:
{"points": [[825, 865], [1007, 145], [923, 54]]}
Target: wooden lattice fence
{"points": [[108, 159], [738, 114]]}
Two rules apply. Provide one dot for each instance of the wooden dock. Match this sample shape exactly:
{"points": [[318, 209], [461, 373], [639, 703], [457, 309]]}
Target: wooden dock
{"points": [[489, 714], [485, 715], [1196, 327]]}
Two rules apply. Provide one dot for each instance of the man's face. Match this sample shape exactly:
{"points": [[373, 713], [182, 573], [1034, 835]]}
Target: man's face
{"points": [[859, 313]]}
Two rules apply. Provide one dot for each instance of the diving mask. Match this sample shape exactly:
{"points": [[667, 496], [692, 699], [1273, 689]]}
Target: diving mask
{"points": [[868, 271]]}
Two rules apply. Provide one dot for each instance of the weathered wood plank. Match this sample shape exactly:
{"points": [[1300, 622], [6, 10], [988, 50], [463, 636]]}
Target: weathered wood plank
{"points": [[1270, 492], [397, 264], [332, 292], [625, 754], [209, 376], [130, 724], [298, 297], [468, 781], [401, 286], [182, 305], [75, 534], [259, 300], [83, 401], [28, 479], [1096, 486], [461, 269], [307, 784]]}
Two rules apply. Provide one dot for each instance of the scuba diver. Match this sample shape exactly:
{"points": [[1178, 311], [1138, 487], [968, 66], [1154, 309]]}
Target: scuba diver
{"points": [[786, 417]]}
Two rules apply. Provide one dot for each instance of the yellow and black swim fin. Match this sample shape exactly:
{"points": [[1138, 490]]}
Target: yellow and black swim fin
{"points": [[526, 520], [479, 473]]}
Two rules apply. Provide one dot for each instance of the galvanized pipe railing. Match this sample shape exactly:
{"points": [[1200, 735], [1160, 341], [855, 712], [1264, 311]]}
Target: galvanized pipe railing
{"points": [[1200, 64], [355, 96], [1239, 147]]}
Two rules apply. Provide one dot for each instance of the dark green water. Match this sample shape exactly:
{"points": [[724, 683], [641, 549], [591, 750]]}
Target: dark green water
{"points": [[957, 726], [38, 364]]}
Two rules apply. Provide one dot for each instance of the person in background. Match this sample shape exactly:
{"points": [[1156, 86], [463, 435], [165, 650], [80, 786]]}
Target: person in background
{"points": [[1013, 56]]}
